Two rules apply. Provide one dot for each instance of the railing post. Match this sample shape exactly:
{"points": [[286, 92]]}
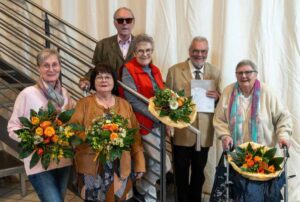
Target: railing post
{"points": [[47, 30], [162, 163]]}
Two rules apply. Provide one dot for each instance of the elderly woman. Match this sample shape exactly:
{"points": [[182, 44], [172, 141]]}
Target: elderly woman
{"points": [[249, 111], [49, 184], [144, 77], [92, 186]]}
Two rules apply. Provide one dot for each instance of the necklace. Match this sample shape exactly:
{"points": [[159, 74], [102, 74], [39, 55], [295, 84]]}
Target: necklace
{"points": [[106, 102]]}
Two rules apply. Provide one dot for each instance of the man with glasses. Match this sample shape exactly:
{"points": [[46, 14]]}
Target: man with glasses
{"points": [[115, 50], [186, 158]]}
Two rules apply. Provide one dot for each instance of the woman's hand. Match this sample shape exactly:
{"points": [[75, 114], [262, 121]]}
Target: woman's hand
{"points": [[283, 142], [227, 142], [139, 175]]}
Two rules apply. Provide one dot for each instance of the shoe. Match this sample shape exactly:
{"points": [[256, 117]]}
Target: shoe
{"points": [[137, 196]]}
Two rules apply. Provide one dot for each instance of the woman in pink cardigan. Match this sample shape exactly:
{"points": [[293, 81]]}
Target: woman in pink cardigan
{"points": [[49, 184]]}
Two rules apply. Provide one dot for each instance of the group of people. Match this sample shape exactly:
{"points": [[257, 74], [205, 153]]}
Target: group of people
{"points": [[245, 111]]}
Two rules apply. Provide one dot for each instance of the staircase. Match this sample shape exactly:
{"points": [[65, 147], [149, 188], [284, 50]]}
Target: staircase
{"points": [[23, 33]]}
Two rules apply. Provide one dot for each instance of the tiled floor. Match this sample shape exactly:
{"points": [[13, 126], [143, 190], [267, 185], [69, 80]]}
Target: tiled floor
{"points": [[10, 192]]}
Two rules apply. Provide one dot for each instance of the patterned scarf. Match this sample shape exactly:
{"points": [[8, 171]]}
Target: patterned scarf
{"points": [[235, 114], [53, 94]]}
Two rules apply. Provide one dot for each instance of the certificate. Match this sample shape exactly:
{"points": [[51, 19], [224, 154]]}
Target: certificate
{"points": [[198, 91]]}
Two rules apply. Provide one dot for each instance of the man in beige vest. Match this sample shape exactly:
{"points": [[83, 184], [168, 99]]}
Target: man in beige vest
{"points": [[189, 185]]}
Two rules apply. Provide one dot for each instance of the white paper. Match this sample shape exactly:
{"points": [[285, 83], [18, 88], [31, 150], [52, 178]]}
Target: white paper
{"points": [[198, 91]]}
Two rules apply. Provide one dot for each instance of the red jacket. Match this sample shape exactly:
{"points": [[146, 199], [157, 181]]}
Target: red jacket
{"points": [[144, 86]]}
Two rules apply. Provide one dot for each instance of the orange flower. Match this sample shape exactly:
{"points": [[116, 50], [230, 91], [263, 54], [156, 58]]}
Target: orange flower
{"points": [[54, 138], [257, 159], [35, 120], [111, 126], [39, 131], [49, 131], [271, 169], [58, 122], [250, 163], [45, 124], [113, 136], [261, 170], [248, 157], [245, 165], [180, 101]]}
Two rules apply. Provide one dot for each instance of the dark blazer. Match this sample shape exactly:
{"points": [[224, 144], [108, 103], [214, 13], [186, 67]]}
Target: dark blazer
{"points": [[179, 77]]}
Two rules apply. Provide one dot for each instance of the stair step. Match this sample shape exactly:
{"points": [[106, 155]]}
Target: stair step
{"points": [[18, 86]]}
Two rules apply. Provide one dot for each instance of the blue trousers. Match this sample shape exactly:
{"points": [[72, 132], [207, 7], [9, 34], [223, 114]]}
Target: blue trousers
{"points": [[51, 185]]}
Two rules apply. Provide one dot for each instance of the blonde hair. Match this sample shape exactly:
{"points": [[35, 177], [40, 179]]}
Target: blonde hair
{"points": [[44, 54]]}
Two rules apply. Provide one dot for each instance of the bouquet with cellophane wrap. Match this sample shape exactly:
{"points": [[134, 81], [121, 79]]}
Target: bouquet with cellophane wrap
{"points": [[173, 109], [47, 136], [255, 161]]}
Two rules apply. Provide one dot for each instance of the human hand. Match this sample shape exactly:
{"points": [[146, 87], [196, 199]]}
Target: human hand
{"points": [[84, 84], [283, 142], [169, 131], [213, 94], [227, 142], [138, 175]]}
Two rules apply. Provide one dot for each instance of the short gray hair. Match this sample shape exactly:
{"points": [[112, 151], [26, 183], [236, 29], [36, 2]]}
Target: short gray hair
{"points": [[44, 54], [123, 8], [198, 38], [142, 38], [246, 62]]}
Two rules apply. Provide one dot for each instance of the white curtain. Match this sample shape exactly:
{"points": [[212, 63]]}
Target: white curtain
{"points": [[266, 32]]}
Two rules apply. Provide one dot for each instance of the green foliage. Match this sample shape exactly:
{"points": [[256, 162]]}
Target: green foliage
{"points": [[256, 160], [174, 105], [109, 136], [44, 145]]}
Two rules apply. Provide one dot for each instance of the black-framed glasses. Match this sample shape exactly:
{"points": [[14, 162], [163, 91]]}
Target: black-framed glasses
{"points": [[247, 73], [197, 51], [126, 20]]}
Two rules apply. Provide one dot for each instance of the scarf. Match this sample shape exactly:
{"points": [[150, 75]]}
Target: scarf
{"points": [[235, 114], [53, 94]]}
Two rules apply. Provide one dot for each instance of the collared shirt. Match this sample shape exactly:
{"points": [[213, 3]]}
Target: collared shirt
{"points": [[193, 69], [124, 46]]}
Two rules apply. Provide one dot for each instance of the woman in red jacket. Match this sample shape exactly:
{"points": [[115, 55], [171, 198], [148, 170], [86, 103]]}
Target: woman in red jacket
{"points": [[145, 78]]}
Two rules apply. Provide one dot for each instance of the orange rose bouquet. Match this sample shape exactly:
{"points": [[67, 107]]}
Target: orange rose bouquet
{"points": [[109, 136], [255, 161], [48, 136]]}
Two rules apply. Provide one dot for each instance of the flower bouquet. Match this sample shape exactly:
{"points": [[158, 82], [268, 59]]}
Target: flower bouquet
{"points": [[48, 136], [109, 136], [255, 161], [173, 108]]}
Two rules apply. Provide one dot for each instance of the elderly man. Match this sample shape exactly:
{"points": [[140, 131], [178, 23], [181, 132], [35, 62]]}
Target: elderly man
{"points": [[189, 185], [115, 50]]}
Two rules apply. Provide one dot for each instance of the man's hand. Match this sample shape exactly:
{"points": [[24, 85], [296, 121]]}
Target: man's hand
{"points": [[84, 84], [213, 94]]}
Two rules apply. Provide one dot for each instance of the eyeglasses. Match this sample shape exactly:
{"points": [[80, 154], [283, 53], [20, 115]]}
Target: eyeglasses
{"points": [[247, 73], [104, 78], [146, 51], [196, 51], [48, 65], [126, 20]]}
